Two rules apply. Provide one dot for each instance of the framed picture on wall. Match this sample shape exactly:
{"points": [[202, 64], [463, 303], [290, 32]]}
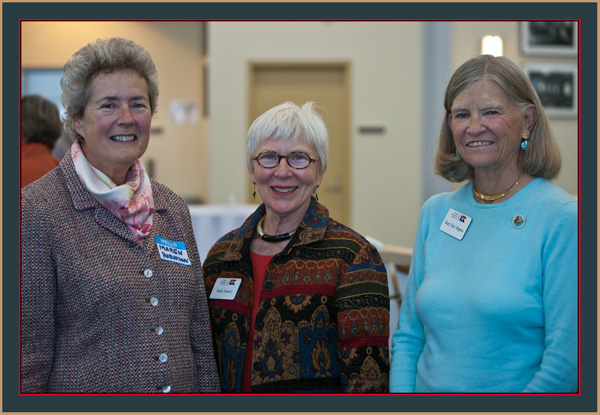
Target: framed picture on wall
{"points": [[549, 38], [557, 86]]}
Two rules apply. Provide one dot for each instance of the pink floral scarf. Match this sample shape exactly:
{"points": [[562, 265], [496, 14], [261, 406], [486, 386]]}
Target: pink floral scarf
{"points": [[131, 202]]}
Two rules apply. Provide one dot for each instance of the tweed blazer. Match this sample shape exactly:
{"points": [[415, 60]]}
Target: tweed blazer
{"points": [[100, 311], [323, 318]]}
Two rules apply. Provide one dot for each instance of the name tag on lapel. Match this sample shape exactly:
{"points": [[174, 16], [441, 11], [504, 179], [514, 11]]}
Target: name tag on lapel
{"points": [[172, 251], [225, 288]]}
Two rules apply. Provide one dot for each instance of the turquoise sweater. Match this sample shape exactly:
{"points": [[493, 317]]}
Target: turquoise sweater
{"points": [[498, 310]]}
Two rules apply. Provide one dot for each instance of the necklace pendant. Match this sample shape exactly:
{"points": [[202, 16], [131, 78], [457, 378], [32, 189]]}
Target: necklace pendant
{"points": [[272, 238]]}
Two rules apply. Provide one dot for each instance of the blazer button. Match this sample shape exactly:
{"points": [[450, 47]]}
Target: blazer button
{"points": [[165, 389], [153, 301], [163, 357], [159, 330], [148, 273]]}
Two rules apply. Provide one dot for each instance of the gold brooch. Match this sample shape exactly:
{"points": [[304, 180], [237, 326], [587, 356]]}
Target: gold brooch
{"points": [[518, 221]]}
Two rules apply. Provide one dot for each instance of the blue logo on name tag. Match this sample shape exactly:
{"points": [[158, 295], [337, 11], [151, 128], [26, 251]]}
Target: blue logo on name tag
{"points": [[172, 251]]}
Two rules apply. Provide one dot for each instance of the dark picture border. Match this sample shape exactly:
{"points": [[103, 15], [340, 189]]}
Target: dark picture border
{"points": [[585, 13]]}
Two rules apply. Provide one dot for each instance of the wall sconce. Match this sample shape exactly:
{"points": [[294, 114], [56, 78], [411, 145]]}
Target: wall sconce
{"points": [[491, 45]]}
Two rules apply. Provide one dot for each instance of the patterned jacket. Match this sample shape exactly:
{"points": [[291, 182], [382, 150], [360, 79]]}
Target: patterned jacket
{"points": [[101, 312], [323, 318]]}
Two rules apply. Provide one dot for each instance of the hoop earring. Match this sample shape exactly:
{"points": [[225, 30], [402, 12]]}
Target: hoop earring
{"points": [[254, 192], [525, 141]]}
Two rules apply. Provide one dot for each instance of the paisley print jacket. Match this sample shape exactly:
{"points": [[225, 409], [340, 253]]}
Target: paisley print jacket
{"points": [[323, 318]]}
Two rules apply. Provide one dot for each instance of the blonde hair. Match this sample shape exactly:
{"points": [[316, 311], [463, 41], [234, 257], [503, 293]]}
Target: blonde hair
{"points": [[542, 158]]}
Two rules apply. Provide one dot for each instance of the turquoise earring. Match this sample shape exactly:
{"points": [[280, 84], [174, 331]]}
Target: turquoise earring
{"points": [[525, 141]]}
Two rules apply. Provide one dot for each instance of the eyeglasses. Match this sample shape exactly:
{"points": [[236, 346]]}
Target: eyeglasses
{"points": [[296, 160]]}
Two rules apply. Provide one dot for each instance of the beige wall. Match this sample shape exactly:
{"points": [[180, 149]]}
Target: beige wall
{"points": [[179, 152], [386, 89], [207, 161], [385, 85]]}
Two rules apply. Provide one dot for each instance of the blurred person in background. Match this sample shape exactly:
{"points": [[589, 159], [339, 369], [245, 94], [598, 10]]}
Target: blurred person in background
{"points": [[40, 129]]}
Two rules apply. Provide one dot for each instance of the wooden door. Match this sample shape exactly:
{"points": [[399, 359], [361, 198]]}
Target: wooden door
{"points": [[271, 84]]}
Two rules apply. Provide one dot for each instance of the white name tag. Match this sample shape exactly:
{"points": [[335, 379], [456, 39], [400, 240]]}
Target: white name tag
{"points": [[455, 224], [172, 251], [225, 288]]}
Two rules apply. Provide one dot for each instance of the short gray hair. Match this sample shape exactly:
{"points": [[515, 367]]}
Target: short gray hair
{"points": [[106, 55], [542, 158], [288, 121]]}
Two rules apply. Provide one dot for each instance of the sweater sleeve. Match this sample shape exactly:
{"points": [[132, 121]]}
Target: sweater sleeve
{"points": [[409, 339], [38, 291], [363, 305], [559, 367]]}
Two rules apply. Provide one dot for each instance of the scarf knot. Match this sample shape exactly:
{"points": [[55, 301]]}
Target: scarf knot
{"points": [[132, 202]]}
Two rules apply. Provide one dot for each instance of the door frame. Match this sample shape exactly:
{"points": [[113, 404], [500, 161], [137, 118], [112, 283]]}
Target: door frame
{"points": [[344, 66]]}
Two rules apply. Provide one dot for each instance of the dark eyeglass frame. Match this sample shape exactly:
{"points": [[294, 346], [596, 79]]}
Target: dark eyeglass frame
{"points": [[287, 159]]}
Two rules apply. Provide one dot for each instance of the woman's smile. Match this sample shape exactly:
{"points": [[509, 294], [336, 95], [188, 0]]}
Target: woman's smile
{"points": [[479, 143], [115, 125], [487, 128], [124, 138], [284, 190]]}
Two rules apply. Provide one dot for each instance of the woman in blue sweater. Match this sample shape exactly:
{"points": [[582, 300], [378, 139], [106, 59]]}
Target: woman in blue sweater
{"points": [[492, 299]]}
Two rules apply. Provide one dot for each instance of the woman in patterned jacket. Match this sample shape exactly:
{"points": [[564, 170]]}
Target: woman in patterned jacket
{"points": [[112, 296], [299, 302]]}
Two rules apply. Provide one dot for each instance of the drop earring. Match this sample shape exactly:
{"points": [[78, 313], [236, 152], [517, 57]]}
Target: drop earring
{"points": [[254, 192], [316, 195], [525, 141]]}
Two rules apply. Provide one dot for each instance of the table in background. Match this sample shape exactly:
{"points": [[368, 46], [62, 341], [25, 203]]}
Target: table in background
{"points": [[210, 222]]}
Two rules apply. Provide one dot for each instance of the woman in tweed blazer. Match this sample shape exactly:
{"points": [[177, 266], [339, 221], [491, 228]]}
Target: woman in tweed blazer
{"points": [[112, 294], [299, 302]]}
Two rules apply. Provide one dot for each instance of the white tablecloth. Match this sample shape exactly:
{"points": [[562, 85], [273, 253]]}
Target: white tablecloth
{"points": [[210, 222]]}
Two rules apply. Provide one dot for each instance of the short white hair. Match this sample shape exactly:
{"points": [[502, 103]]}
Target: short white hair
{"points": [[288, 121]]}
